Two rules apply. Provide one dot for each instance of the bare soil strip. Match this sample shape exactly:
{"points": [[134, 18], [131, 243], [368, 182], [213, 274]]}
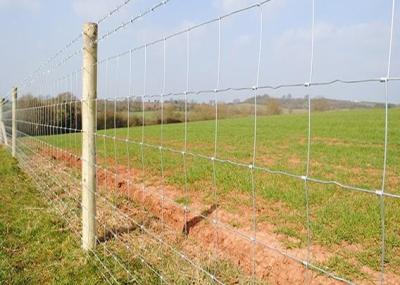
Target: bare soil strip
{"points": [[210, 226]]}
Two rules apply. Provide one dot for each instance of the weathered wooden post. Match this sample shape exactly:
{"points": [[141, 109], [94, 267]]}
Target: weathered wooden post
{"points": [[89, 96], [14, 123], [3, 134]]}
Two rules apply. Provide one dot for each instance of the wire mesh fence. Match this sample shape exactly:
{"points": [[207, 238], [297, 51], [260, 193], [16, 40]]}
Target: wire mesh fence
{"points": [[195, 189]]}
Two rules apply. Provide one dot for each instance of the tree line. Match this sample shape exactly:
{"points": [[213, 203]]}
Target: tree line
{"points": [[63, 113]]}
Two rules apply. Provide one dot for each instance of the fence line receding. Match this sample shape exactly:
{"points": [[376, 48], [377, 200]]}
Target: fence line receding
{"points": [[167, 177]]}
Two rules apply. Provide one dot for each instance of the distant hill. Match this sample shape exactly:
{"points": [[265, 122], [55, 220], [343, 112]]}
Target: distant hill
{"points": [[320, 103]]}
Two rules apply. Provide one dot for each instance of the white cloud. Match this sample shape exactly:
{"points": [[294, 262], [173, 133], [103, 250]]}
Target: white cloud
{"points": [[270, 10], [29, 5], [92, 10], [351, 51], [231, 5]]}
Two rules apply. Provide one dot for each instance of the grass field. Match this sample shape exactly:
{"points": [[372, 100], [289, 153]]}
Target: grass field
{"points": [[53, 243], [346, 146], [36, 246]]}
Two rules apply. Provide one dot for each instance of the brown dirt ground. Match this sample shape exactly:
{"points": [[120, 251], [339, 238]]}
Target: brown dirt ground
{"points": [[270, 265]]}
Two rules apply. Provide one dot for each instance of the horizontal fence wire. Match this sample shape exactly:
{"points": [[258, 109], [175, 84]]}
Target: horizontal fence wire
{"points": [[158, 221]]}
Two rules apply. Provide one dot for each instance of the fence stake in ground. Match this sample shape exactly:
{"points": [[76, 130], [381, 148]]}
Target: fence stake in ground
{"points": [[89, 96], [14, 123], [3, 134]]}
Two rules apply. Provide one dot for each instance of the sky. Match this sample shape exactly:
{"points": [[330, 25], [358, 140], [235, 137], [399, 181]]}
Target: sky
{"points": [[351, 42]]}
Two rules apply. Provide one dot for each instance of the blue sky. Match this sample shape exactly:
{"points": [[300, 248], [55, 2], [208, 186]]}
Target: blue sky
{"points": [[351, 42]]}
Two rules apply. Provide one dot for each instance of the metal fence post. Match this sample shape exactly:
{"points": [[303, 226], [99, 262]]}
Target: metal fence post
{"points": [[14, 123], [3, 134], [89, 96]]}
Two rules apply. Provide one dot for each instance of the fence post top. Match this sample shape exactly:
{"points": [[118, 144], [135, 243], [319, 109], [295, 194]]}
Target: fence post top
{"points": [[90, 29]]}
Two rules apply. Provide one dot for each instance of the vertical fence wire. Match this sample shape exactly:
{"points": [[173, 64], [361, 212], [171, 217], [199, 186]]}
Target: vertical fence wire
{"points": [[384, 168], [136, 213]]}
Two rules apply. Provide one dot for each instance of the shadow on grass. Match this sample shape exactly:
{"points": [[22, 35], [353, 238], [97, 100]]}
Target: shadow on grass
{"points": [[115, 232], [196, 220]]}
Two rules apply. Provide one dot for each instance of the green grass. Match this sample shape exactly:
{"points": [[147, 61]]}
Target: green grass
{"points": [[347, 146], [344, 143], [36, 246]]}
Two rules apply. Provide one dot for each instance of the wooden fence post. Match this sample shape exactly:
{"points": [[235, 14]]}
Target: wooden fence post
{"points": [[14, 123], [3, 133], [89, 96]]}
